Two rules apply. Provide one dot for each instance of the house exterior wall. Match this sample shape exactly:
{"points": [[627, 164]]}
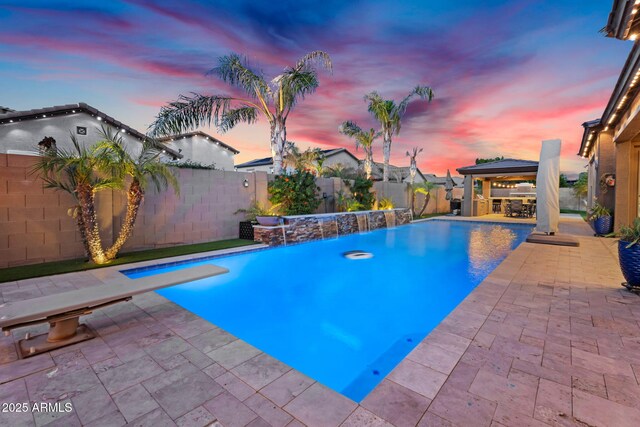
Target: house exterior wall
{"points": [[342, 158], [23, 136], [601, 162], [333, 160], [626, 159], [198, 149]]}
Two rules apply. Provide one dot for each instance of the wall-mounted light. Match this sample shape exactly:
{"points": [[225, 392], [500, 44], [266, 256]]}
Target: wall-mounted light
{"points": [[245, 183]]}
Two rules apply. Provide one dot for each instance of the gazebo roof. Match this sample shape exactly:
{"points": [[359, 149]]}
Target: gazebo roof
{"points": [[504, 166]]}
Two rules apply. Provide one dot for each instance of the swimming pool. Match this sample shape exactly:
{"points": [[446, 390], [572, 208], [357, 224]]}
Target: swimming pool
{"points": [[347, 322]]}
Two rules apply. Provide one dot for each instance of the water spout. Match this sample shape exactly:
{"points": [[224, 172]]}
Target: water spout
{"points": [[390, 218], [284, 237]]}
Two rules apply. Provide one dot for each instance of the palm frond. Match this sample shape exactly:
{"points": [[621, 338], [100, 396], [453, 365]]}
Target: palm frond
{"points": [[234, 116], [191, 112], [424, 92], [349, 128], [379, 108], [316, 56], [235, 70]]}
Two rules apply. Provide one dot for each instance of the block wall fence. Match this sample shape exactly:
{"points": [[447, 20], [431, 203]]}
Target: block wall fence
{"points": [[35, 226]]}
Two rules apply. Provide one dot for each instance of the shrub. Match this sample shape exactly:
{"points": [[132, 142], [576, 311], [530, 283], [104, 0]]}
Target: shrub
{"points": [[630, 233], [361, 191], [296, 193], [385, 204], [255, 209], [189, 164], [598, 211]]}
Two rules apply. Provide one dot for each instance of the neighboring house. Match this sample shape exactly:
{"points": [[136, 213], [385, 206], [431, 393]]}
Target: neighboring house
{"points": [[199, 147], [458, 181], [333, 157], [22, 131], [612, 143], [396, 173]]}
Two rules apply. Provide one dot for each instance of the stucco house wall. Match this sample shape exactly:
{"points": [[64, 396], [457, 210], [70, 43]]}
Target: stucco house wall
{"points": [[22, 137], [205, 151], [341, 158]]}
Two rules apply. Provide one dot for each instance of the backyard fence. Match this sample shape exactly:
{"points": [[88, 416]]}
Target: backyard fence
{"points": [[35, 226]]}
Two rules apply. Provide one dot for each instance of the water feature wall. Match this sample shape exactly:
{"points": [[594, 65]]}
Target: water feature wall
{"points": [[304, 228]]}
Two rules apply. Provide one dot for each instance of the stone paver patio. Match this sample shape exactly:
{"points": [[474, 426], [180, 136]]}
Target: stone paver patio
{"points": [[549, 338]]}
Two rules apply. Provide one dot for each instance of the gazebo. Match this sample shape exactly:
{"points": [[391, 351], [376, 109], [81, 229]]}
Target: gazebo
{"points": [[500, 171]]}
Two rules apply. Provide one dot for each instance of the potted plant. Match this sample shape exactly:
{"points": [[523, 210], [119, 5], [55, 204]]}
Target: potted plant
{"points": [[601, 219], [629, 253], [256, 214]]}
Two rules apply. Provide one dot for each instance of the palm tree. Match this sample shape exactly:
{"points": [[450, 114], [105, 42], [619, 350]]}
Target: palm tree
{"points": [[363, 139], [274, 100], [413, 166], [81, 173], [141, 171], [389, 115], [424, 188]]}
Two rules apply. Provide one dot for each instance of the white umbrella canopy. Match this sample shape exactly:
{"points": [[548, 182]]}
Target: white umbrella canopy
{"points": [[548, 187], [448, 186]]}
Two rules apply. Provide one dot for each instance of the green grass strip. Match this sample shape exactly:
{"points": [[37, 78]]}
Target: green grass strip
{"points": [[583, 214], [68, 266]]}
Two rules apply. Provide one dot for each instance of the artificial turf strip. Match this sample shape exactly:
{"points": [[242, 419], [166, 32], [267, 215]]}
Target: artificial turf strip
{"points": [[69, 266], [583, 214]]}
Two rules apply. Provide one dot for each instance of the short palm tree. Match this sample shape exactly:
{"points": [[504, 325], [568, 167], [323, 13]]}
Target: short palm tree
{"points": [[389, 114], [140, 172], [82, 173], [363, 139], [424, 188], [272, 99]]}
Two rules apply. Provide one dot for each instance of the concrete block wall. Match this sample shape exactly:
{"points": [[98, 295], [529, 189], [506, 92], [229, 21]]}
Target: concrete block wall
{"points": [[203, 211], [34, 224]]}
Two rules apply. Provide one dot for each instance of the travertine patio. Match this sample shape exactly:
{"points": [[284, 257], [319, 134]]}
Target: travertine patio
{"points": [[549, 338]]}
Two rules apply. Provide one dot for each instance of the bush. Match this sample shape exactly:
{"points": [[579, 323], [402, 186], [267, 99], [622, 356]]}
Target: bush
{"points": [[295, 194], [598, 211], [385, 204], [361, 191], [189, 164]]}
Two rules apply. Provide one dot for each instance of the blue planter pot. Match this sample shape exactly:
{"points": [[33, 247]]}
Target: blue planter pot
{"points": [[630, 262], [603, 225]]}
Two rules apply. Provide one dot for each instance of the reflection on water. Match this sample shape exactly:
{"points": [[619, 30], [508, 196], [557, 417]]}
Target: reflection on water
{"points": [[487, 246]]}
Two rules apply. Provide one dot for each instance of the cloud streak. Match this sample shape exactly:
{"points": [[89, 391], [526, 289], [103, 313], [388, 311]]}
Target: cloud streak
{"points": [[506, 75]]}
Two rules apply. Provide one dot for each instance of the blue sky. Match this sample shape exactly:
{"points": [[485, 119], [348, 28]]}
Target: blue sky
{"points": [[507, 74]]}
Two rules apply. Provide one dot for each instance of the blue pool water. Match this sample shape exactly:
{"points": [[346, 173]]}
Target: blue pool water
{"points": [[347, 323]]}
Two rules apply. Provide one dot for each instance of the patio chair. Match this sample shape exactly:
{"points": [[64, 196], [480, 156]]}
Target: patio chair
{"points": [[497, 206], [516, 208]]}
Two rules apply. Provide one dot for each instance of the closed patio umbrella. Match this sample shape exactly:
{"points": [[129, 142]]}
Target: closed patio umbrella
{"points": [[548, 187], [448, 186]]}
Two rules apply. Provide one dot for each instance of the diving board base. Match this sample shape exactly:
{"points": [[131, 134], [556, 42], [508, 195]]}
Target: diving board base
{"points": [[553, 239], [42, 344]]}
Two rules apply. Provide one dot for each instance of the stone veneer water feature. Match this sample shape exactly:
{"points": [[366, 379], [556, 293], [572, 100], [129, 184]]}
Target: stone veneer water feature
{"points": [[303, 228]]}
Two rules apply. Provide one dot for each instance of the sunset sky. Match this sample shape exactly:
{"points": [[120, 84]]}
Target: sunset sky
{"points": [[506, 74]]}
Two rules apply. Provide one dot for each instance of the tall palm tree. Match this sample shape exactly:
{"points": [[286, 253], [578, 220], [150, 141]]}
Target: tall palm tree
{"points": [[413, 166], [363, 139], [389, 114], [140, 171], [81, 173], [272, 99]]}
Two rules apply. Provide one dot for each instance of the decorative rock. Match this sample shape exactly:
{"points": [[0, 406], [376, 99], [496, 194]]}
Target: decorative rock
{"points": [[305, 228]]}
